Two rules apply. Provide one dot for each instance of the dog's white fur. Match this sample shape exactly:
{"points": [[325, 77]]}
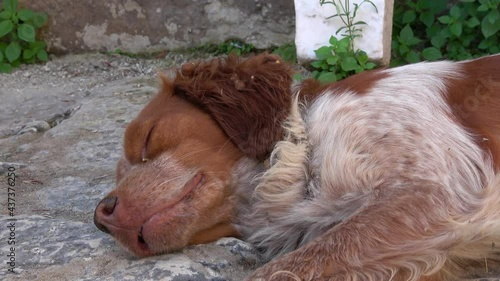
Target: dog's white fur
{"points": [[345, 154]]}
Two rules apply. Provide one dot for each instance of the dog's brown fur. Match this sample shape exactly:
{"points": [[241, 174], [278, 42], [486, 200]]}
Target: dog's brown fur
{"points": [[226, 89], [347, 193]]}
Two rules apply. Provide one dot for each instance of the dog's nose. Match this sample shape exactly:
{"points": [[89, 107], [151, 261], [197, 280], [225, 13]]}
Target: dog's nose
{"points": [[103, 211]]}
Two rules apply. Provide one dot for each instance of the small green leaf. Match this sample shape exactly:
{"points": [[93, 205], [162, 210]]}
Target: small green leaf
{"points": [[456, 29], [413, 41], [397, 62], [333, 40], [340, 29], [340, 76], [425, 4], [13, 51], [409, 16], [482, 8], [370, 65], [412, 57], [42, 55], [473, 22], [431, 54], [484, 44], [471, 9], [326, 77], [360, 23], [25, 14], [1, 56], [455, 12], [438, 41], [39, 19], [359, 69], [494, 50], [5, 68], [427, 18], [38, 45], [332, 60], [406, 33], [26, 32], [406, 36], [467, 39], [344, 44], [403, 49], [28, 54], [493, 16], [323, 53], [433, 30], [444, 19], [488, 28], [349, 64], [317, 63], [6, 27], [10, 5], [362, 57], [437, 6], [5, 15], [445, 32], [31, 60]]}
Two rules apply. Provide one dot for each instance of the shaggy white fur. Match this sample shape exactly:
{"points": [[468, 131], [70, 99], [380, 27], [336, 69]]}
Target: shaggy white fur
{"points": [[347, 158]]}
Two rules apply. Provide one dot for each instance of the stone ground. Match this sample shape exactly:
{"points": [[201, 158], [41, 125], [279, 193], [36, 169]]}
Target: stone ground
{"points": [[61, 127], [61, 130]]}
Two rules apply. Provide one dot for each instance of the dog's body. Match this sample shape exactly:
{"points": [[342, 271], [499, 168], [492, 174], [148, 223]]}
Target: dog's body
{"points": [[387, 174]]}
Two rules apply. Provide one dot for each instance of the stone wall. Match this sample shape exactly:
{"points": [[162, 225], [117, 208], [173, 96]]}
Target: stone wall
{"points": [[151, 25]]}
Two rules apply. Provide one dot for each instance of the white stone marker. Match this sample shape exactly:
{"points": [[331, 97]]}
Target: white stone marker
{"points": [[313, 29]]}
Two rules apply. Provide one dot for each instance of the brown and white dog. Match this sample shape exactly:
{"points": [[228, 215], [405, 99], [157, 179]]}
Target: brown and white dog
{"points": [[387, 175]]}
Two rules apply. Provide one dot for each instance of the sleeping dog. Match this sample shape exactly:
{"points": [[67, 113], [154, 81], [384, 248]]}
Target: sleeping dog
{"points": [[390, 174]]}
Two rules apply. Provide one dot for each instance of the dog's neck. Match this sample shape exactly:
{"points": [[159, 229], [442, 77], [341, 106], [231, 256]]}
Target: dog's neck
{"points": [[245, 178]]}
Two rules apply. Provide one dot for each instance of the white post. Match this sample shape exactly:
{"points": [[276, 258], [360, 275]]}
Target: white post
{"points": [[313, 29]]}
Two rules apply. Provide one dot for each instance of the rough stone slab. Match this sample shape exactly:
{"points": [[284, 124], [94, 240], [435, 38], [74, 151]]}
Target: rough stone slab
{"points": [[314, 30], [62, 174], [54, 249], [152, 25]]}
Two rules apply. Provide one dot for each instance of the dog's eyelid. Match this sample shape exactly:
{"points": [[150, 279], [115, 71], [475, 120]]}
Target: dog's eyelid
{"points": [[144, 152]]}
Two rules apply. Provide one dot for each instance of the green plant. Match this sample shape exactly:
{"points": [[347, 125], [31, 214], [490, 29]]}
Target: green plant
{"points": [[351, 29], [288, 52], [236, 46], [340, 59], [431, 30], [18, 42]]}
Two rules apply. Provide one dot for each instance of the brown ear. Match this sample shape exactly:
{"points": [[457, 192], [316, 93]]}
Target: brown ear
{"points": [[167, 86], [249, 99]]}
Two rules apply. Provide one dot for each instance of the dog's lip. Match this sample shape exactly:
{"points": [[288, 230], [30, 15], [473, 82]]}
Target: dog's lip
{"points": [[142, 237], [143, 245], [195, 182]]}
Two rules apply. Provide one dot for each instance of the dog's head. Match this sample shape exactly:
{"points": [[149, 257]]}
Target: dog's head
{"points": [[174, 182]]}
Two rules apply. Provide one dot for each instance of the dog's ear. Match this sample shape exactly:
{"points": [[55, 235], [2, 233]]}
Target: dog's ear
{"points": [[249, 99], [167, 86]]}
